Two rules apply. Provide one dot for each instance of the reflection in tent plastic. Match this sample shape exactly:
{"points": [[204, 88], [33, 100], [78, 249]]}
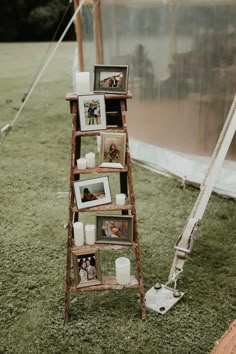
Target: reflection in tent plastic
{"points": [[182, 63]]}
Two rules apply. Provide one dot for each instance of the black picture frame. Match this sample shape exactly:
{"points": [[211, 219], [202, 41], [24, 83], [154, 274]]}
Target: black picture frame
{"points": [[111, 79], [123, 225]]}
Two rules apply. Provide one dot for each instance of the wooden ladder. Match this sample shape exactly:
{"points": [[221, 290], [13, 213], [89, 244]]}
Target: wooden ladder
{"points": [[116, 107]]}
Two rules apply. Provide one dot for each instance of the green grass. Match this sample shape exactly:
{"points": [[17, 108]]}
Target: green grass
{"points": [[34, 167]]}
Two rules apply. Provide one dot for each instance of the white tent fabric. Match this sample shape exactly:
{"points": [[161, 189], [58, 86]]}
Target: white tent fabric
{"points": [[190, 168]]}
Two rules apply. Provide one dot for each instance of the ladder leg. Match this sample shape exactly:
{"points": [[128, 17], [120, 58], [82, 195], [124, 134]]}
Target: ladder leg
{"points": [[141, 286], [132, 199], [67, 306], [68, 279]]}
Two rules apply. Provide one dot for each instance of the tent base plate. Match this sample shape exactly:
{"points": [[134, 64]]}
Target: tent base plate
{"points": [[161, 300]]}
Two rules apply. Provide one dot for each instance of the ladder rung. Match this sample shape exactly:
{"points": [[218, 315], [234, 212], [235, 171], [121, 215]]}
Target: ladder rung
{"points": [[105, 246], [99, 170], [106, 207], [98, 132]]}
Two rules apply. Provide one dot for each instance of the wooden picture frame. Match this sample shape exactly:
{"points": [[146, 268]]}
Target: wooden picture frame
{"points": [[113, 150], [87, 268], [114, 229], [111, 79], [92, 192], [92, 112]]}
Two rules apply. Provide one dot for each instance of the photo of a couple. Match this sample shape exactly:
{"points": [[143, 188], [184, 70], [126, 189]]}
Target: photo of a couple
{"points": [[111, 79], [94, 192], [87, 268], [114, 229], [92, 112]]}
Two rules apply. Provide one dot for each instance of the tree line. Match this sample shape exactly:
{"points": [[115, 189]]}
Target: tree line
{"points": [[39, 20]]}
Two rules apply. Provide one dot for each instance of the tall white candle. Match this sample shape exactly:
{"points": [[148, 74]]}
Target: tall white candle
{"points": [[90, 159], [120, 199], [82, 80], [78, 233], [122, 270], [90, 234], [81, 163]]}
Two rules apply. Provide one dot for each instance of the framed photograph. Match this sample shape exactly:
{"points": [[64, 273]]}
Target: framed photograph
{"points": [[114, 229], [92, 192], [112, 150], [111, 79], [92, 112], [87, 268]]}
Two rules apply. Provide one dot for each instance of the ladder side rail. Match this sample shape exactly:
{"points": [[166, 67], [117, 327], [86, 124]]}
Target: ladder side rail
{"points": [[124, 175], [70, 222], [132, 200]]}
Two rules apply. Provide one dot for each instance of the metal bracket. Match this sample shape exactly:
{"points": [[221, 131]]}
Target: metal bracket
{"points": [[184, 242], [163, 299]]}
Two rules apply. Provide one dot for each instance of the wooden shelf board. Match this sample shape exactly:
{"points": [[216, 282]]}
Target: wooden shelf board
{"points": [[108, 283], [98, 132], [109, 96], [106, 207], [99, 170], [104, 246]]}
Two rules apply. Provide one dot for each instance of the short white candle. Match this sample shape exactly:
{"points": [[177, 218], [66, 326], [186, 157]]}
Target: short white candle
{"points": [[82, 80], [90, 234], [122, 270], [81, 164], [90, 159], [120, 199], [78, 233]]}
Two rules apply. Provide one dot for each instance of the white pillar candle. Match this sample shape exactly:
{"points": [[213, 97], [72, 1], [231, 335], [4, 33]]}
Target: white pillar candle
{"points": [[120, 199], [90, 159], [90, 234], [122, 270], [82, 80], [81, 164], [78, 233]]}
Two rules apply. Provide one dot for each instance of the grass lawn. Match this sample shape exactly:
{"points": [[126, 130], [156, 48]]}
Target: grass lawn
{"points": [[34, 167]]}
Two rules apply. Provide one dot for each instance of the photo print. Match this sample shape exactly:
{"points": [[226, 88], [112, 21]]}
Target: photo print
{"points": [[112, 150], [92, 192], [92, 112]]}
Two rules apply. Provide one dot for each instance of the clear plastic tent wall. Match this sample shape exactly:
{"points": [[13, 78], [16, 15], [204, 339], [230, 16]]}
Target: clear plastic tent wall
{"points": [[182, 60]]}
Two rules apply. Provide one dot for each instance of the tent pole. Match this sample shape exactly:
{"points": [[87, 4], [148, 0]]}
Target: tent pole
{"points": [[79, 37], [98, 31], [173, 38]]}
